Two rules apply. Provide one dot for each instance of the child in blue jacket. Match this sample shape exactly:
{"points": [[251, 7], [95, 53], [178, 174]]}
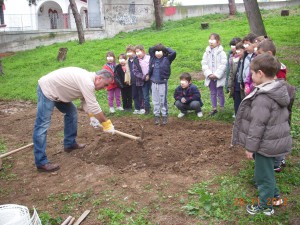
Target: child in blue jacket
{"points": [[159, 72], [187, 96]]}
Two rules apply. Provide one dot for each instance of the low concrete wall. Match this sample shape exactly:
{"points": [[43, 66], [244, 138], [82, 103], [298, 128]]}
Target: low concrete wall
{"points": [[20, 41], [183, 12]]}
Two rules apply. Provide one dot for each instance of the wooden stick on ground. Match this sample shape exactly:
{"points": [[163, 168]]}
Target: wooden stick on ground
{"points": [[13, 151], [82, 217], [72, 221], [66, 222], [16, 150]]}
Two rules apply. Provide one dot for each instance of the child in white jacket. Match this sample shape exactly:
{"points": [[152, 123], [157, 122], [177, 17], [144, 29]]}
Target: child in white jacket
{"points": [[214, 67]]}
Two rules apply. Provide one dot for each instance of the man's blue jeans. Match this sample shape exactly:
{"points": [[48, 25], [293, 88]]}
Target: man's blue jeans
{"points": [[42, 122]]}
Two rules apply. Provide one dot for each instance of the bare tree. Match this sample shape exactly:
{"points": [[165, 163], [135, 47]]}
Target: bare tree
{"points": [[77, 21], [157, 12], [232, 7], [254, 18]]}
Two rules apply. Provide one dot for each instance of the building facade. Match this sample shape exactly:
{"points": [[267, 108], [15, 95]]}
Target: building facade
{"points": [[24, 15]]}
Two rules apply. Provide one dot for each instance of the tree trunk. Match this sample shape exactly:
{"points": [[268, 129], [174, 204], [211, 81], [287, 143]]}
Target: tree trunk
{"points": [[157, 12], [232, 7], [62, 54], [254, 18], [77, 21]]}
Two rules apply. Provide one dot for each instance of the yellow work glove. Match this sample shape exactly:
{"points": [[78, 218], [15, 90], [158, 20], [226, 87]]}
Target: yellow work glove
{"points": [[108, 127]]}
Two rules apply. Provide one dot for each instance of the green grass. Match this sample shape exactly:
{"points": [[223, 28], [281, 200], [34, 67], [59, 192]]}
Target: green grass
{"points": [[125, 214], [221, 200], [2, 146], [225, 198]]}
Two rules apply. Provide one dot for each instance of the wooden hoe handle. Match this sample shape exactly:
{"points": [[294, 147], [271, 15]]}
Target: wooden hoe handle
{"points": [[16, 150]]}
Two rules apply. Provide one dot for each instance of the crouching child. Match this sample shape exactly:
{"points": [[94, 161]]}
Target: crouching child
{"points": [[187, 96]]}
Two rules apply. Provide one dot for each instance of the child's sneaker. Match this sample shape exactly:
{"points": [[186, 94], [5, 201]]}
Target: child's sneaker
{"points": [[213, 112], [120, 108], [164, 120], [277, 169], [112, 110], [199, 114], [283, 163], [180, 115], [136, 111], [156, 120], [254, 209], [277, 200], [142, 111]]}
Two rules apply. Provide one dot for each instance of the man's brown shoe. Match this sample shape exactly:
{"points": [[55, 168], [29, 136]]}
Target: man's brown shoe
{"points": [[49, 167], [74, 147]]}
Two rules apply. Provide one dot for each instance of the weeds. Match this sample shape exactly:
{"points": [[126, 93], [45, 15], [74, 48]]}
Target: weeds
{"points": [[2, 146], [125, 214], [48, 220]]}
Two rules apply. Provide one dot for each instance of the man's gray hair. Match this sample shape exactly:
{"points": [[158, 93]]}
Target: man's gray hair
{"points": [[104, 73]]}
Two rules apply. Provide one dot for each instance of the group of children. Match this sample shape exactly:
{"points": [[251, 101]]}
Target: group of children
{"points": [[139, 75], [262, 106], [252, 76]]}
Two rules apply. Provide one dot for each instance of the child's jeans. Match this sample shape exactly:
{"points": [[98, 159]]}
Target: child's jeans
{"points": [[265, 180], [114, 93], [137, 95], [278, 160], [237, 101], [216, 92], [146, 93]]}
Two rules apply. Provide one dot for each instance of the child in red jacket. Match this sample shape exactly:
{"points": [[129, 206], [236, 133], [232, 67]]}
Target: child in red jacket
{"points": [[113, 90]]}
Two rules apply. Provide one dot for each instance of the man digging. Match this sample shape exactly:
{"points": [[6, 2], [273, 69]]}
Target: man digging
{"points": [[58, 89]]}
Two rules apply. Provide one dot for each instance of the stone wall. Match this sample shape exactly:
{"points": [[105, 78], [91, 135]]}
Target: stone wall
{"points": [[126, 15]]}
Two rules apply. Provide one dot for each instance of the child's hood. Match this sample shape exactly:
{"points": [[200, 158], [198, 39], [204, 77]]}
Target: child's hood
{"points": [[218, 49], [276, 90]]}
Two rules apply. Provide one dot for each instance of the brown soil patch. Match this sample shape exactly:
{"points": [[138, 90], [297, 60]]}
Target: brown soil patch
{"points": [[5, 54], [157, 172]]}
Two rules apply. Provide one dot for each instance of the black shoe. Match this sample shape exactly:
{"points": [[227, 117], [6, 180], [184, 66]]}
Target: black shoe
{"points": [[213, 112]]}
